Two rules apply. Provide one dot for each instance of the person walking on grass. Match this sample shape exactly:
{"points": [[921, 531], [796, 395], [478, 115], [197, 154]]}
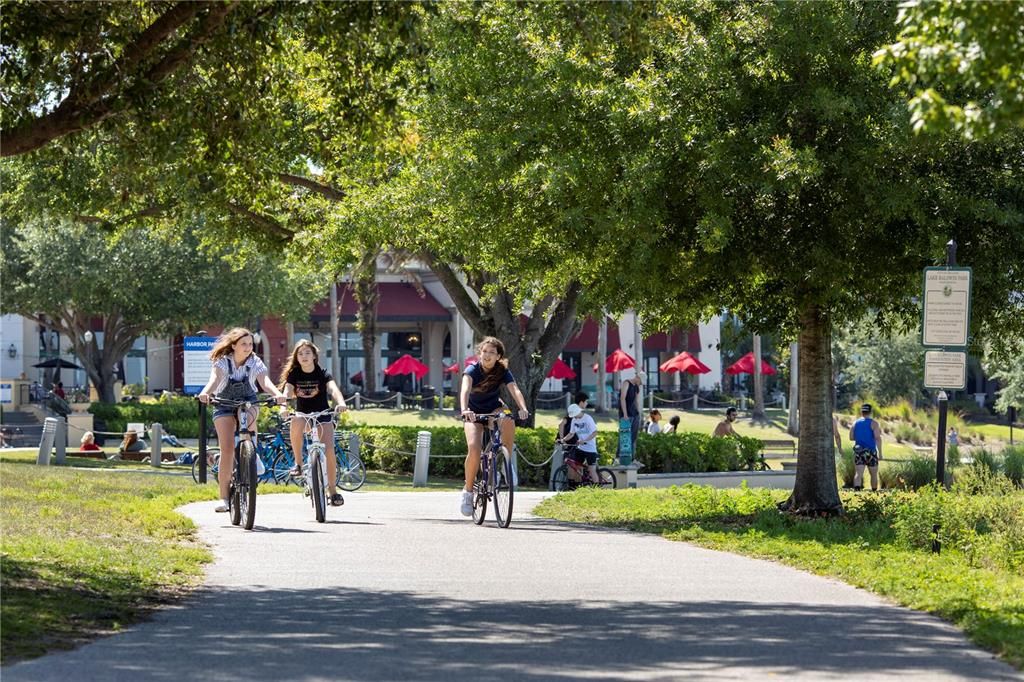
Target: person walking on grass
{"points": [[867, 448]]}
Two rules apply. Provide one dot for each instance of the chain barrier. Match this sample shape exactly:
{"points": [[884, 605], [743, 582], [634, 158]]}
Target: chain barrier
{"points": [[519, 455], [558, 399], [379, 402]]}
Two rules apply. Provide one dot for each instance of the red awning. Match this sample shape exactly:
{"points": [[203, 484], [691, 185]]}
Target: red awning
{"points": [[586, 340], [398, 302]]}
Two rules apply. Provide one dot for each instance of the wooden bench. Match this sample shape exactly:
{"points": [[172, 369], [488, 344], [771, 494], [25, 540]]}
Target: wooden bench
{"points": [[787, 446]]}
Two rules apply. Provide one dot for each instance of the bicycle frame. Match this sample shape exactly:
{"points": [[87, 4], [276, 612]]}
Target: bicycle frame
{"points": [[490, 481], [242, 488], [316, 451]]}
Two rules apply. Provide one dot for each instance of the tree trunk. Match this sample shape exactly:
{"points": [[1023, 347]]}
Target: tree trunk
{"points": [[364, 287], [793, 420], [602, 350], [816, 491], [758, 414]]}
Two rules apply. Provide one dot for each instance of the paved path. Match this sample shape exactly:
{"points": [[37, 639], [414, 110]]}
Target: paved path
{"points": [[398, 586]]}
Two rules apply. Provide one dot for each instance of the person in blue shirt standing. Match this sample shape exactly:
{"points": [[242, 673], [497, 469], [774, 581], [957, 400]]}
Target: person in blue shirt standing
{"points": [[480, 393], [867, 448]]}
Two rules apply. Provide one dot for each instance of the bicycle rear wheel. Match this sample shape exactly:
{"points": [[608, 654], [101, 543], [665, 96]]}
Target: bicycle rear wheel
{"points": [[351, 471], [503, 489], [606, 478], [247, 494], [560, 481], [316, 484], [480, 493]]}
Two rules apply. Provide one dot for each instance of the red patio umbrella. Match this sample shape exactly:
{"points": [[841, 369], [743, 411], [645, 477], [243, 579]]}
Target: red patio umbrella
{"points": [[407, 364], [452, 368], [356, 378], [560, 370], [619, 361], [745, 365], [684, 362]]}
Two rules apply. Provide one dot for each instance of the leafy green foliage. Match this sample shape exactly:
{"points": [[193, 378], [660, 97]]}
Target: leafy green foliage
{"points": [[961, 62]]}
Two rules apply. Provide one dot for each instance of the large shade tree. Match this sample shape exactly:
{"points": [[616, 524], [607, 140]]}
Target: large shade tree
{"points": [[794, 193], [145, 283]]}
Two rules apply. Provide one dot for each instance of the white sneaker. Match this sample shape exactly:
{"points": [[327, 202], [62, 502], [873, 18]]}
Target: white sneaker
{"points": [[467, 503], [223, 506]]}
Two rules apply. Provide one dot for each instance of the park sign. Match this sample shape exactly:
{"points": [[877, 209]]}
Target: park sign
{"points": [[197, 362], [946, 317], [944, 369]]}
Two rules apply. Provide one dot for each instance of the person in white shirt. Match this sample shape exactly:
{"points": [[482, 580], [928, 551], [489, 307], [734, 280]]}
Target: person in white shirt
{"points": [[585, 430], [654, 427]]}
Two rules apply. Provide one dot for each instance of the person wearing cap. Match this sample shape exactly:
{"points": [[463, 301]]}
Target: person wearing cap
{"points": [[629, 404], [585, 430], [867, 448], [724, 427]]}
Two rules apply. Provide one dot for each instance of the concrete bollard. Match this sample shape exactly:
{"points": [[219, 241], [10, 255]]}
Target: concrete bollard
{"points": [[156, 432], [398, 401], [60, 441], [557, 460], [357, 400], [783, 402], [419, 475], [650, 401], [46, 441], [695, 402], [743, 403], [568, 400]]}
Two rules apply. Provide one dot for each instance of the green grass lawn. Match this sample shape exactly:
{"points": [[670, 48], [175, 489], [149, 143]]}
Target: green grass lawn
{"points": [[985, 600]]}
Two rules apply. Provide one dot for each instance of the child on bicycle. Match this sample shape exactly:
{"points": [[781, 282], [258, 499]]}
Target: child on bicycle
{"points": [[305, 380], [585, 430], [237, 374], [480, 393]]}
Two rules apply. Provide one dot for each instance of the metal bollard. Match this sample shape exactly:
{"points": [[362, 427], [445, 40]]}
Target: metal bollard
{"points": [[419, 475], [46, 441], [357, 400], [60, 440], [156, 432]]}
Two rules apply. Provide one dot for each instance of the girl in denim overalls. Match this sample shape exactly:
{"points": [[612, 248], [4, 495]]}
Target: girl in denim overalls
{"points": [[237, 375]]}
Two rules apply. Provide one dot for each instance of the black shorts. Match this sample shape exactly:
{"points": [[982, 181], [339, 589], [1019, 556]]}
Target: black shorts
{"points": [[577, 455]]}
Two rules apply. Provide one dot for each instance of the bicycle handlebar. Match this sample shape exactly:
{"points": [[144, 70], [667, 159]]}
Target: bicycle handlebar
{"points": [[482, 418], [226, 402]]}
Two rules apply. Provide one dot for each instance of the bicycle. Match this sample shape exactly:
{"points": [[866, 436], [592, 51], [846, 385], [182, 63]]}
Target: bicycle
{"points": [[574, 473], [212, 464], [245, 473], [316, 459], [494, 478], [351, 470]]}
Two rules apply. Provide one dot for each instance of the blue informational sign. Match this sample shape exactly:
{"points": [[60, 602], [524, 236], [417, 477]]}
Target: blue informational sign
{"points": [[197, 362]]}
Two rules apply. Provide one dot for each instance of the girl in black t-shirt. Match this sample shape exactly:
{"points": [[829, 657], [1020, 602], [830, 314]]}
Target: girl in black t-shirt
{"points": [[305, 380]]}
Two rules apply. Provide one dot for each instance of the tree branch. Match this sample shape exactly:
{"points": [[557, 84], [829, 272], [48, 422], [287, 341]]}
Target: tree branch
{"points": [[312, 185], [99, 99], [464, 303], [267, 223]]}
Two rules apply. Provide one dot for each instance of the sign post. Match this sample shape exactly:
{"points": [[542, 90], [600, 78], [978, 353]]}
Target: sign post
{"points": [[945, 329], [197, 367]]}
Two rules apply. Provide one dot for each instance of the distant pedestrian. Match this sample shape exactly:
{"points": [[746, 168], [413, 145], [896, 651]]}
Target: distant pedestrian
{"points": [[655, 425], [867, 448], [673, 425], [58, 390], [953, 437], [629, 404], [88, 443], [724, 427]]}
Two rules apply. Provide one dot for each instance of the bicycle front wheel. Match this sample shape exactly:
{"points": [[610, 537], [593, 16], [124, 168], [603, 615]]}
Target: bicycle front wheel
{"points": [[606, 478], [316, 486], [351, 471], [235, 492], [247, 495], [503, 489]]}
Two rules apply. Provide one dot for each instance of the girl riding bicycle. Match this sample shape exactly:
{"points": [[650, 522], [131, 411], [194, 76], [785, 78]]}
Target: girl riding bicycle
{"points": [[481, 394], [305, 380], [237, 374]]}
